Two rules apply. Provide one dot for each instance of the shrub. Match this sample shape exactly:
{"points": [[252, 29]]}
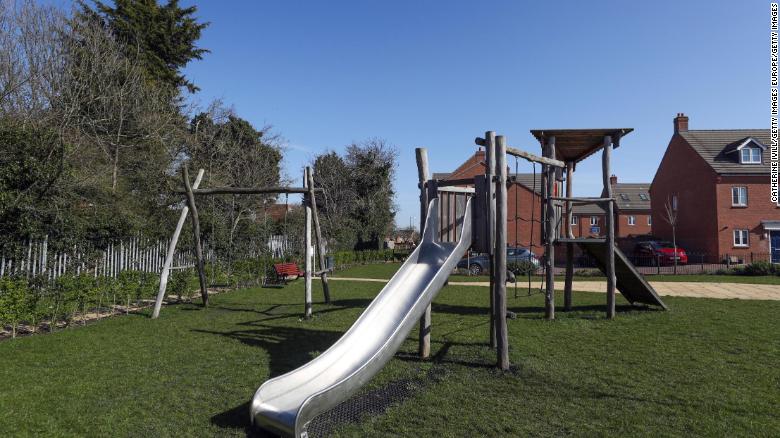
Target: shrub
{"points": [[759, 268], [589, 273], [13, 305], [522, 267]]}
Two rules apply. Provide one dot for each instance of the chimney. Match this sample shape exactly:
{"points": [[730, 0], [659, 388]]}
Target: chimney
{"points": [[680, 123], [613, 180]]}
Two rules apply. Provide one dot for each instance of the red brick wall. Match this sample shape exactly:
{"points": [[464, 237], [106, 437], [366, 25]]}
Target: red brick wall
{"points": [[582, 229], [759, 208], [683, 172], [517, 196], [640, 227]]}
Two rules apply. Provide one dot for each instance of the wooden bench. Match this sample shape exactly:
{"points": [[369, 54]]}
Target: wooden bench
{"points": [[284, 271]]}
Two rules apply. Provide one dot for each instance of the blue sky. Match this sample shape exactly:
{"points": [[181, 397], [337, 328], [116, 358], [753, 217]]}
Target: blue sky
{"points": [[437, 74]]}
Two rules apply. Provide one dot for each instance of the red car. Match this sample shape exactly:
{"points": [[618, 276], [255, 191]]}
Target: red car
{"points": [[653, 252]]}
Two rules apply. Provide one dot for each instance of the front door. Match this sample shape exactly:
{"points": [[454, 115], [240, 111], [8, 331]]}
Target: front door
{"points": [[774, 242]]}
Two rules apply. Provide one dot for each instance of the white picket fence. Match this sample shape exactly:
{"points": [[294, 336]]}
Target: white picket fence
{"points": [[136, 254]]}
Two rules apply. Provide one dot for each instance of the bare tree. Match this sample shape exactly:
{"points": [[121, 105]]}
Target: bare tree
{"points": [[234, 154], [31, 61], [109, 104], [670, 216]]}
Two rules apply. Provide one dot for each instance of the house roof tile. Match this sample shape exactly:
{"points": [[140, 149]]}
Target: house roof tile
{"points": [[715, 145], [632, 196]]}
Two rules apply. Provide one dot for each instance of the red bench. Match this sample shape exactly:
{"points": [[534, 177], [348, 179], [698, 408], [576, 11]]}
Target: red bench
{"points": [[284, 271]]}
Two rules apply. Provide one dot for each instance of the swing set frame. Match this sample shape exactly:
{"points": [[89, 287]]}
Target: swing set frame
{"points": [[312, 221]]}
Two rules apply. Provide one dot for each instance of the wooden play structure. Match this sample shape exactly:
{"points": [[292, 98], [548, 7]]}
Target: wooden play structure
{"points": [[562, 149], [455, 215], [190, 191]]}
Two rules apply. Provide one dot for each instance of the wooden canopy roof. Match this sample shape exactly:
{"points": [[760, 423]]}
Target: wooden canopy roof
{"points": [[577, 144]]}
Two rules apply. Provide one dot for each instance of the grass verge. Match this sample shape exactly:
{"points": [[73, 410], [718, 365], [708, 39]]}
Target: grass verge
{"points": [[707, 367]]}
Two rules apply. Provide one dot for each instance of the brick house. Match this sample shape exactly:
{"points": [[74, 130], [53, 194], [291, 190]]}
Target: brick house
{"points": [[718, 182], [587, 220], [632, 208], [524, 202]]}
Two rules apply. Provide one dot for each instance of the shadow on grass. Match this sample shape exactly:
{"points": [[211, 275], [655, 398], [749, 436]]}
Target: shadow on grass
{"points": [[534, 311], [287, 348], [442, 356]]}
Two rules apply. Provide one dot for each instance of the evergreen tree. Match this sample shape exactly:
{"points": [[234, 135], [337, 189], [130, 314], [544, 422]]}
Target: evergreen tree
{"points": [[162, 36]]}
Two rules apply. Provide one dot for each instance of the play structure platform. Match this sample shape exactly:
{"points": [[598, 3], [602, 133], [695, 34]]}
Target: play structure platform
{"points": [[286, 404], [630, 283]]}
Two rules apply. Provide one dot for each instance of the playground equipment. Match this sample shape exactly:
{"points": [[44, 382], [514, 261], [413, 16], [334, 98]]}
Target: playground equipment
{"points": [[454, 218], [190, 191], [286, 404]]}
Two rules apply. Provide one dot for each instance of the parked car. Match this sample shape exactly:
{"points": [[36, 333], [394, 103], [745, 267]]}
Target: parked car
{"points": [[654, 252], [478, 263]]}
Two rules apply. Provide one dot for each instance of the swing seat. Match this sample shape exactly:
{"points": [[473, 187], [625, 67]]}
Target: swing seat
{"points": [[284, 272]]}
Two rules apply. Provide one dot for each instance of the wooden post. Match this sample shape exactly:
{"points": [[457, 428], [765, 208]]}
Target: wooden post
{"points": [[610, 218], [307, 252], [318, 236], [204, 293], [166, 269], [569, 246], [490, 159], [421, 154], [549, 236], [499, 314]]}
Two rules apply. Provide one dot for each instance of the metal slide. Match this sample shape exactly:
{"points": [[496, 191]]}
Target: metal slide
{"points": [[286, 404]]}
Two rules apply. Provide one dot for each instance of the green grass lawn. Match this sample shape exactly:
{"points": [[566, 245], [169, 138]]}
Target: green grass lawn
{"points": [[386, 270], [706, 367]]}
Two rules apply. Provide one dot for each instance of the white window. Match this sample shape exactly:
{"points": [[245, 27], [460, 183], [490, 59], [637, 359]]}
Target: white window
{"points": [[741, 238], [649, 220], [574, 220], [643, 196], [624, 197], [594, 220], [739, 196], [632, 220], [750, 155]]}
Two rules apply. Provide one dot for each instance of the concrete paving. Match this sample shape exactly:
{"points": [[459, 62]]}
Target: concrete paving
{"points": [[725, 291]]}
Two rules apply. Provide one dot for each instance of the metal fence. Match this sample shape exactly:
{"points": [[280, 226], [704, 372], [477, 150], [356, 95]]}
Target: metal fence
{"points": [[696, 263]]}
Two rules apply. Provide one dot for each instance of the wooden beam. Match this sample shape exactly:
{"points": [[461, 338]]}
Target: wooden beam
{"points": [[424, 338], [318, 236], [567, 286], [581, 200], [502, 333], [204, 293], [309, 257], [535, 158], [490, 158], [610, 218], [549, 298], [249, 190], [455, 182], [456, 189], [165, 272]]}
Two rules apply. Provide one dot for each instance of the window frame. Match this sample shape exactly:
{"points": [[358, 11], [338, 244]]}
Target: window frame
{"points": [[650, 219], [594, 220], [739, 190], [738, 234], [575, 220], [750, 155], [632, 220]]}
